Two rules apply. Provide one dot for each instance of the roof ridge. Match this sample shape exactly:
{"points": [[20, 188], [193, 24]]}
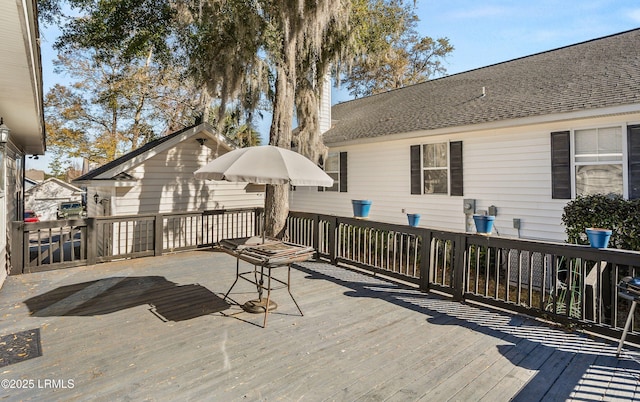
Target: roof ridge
{"points": [[132, 154], [589, 75]]}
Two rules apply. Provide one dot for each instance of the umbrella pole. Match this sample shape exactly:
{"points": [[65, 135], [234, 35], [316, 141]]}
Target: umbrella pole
{"points": [[264, 222]]}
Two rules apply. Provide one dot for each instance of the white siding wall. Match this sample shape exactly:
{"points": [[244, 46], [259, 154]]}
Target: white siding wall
{"points": [[167, 185], [324, 114], [11, 202], [507, 168]]}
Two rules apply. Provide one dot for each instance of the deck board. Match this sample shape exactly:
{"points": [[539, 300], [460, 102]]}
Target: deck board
{"points": [[156, 329]]}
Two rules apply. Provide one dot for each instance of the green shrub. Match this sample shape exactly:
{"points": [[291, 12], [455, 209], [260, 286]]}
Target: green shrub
{"points": [[604, 211]]}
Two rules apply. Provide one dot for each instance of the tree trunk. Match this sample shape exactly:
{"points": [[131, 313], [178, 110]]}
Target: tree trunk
{"points": [[277, 196]]}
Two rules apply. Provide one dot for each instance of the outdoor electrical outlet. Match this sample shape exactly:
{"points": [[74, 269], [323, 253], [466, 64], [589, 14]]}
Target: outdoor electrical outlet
{"points": [[403, 210], [516, 223]]}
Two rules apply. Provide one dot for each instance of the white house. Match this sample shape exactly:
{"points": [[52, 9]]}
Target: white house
{"points": [[44, 198], [158, 178], [518, 139], [21, 112]]}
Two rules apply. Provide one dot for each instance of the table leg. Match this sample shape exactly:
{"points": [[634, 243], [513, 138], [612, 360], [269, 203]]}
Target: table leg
{"points": [[237, 276], [627, 325], [289, 289], [266, 310]]}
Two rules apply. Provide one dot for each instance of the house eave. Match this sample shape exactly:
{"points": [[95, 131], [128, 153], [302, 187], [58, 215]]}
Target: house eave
{"points": [[525, 121], [133, 162], [108, 183]]}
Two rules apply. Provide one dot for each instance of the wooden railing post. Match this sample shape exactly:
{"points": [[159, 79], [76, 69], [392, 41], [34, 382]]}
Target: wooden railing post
{"points": [[316, 236], [257, 221], [19, 243], [158, 231], [333, 235], [425, 259], [460, 245], [92, 241]]}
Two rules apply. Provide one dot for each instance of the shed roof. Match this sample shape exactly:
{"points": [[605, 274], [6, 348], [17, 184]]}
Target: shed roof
{"points": [[591, 75], [116, 169]]}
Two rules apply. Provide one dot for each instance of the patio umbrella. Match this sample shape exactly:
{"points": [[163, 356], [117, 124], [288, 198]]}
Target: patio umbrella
{"points": [[265, 165]]}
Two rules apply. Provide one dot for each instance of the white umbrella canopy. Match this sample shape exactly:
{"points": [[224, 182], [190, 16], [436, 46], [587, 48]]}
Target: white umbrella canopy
{"points": [[265, 165]]}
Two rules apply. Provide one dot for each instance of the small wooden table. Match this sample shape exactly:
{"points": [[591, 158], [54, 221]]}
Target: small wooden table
{"points": [[268, 254]]}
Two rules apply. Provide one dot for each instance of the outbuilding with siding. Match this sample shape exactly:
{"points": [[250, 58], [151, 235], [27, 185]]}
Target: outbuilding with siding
{"points": [[158, 178]]}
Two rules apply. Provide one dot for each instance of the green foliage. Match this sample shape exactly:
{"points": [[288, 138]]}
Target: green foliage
{"points": [[604, 211], [387, 51]]}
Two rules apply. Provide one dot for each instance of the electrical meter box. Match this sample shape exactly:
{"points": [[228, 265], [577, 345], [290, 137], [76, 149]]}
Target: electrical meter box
{"points": [[469, 206]]}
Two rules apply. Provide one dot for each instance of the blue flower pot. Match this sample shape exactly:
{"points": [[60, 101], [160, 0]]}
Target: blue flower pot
{"points": [[414, 219], [598, 238], [484, 223], [361, 208]]}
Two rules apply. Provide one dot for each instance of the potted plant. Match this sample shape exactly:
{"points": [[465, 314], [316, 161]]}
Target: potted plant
{"points": [[361, 208], [484, 223], [414, 219], [598, 237]]}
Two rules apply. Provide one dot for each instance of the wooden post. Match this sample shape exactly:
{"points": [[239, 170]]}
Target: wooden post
{"points": [[460, 245], [19, 242], [425, 259], [333, 232], [92, 241], [316, 236], [158, 227]]}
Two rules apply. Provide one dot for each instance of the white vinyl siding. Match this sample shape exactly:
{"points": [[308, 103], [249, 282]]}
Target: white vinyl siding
{"points": [[495, 173], [509, 168], [166, 184]]}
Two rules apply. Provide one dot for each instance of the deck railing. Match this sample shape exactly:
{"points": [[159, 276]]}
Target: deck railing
{"points": [[569, 284], [565, 283], [58, 244]]}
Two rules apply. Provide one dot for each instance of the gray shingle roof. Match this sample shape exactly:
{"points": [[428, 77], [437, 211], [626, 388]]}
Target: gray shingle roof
{"points": [[594, 74]]}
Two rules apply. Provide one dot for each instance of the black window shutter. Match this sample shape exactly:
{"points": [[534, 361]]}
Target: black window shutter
{"points": [[455, 156], [343, 172], [560, 165], [416, 167], [633, 146]]}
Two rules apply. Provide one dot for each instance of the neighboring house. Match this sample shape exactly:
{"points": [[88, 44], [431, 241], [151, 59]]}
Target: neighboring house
{"points": [[35, 175], [518, 139], [21, 111], [158, 178], [45, 197]]}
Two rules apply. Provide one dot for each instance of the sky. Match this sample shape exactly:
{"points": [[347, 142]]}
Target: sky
{"points": [[483, 32]]}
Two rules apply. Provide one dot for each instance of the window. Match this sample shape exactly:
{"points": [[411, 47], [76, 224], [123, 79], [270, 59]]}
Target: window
{"points": [[598, 161], [336, 167], [332, 168], [435, 165], [436, 168]]}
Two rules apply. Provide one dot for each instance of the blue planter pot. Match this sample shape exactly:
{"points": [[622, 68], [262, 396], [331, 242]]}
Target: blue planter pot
{"points": [[361, 208], [414, 219], [598, 238], [484, 223]]}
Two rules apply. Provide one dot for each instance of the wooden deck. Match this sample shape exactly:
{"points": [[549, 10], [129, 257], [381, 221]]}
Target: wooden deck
{"points": [[157, 329]]}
